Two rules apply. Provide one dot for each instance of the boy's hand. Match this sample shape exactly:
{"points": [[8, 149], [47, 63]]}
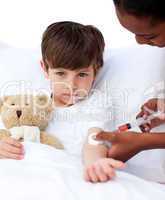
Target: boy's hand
{"points": [[11, 149], [125, 145], [153, 105], [102, 170]]}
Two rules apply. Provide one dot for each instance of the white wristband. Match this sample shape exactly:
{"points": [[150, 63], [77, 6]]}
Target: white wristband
{"points": [[92, 136]]}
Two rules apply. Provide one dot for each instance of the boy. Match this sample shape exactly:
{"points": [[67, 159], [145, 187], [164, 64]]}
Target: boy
{"points": [[72, 55]]}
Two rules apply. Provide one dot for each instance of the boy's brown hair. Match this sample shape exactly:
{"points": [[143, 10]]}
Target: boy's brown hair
{"points": [[72, 46]]}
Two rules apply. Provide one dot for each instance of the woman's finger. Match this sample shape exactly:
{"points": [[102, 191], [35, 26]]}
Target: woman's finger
{"points": [[106, 136]]}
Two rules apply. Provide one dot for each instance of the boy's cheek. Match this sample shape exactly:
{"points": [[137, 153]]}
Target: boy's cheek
{"points": [[57, 91]]}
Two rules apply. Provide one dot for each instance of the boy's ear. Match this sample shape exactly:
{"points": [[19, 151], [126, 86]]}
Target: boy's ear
{"points": [[44, 69], [1, 104]]}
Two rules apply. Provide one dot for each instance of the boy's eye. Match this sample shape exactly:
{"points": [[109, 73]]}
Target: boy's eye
{"points": [[82, 74], [60, 73]]}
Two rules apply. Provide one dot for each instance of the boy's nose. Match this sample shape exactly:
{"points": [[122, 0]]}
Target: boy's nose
{"points": [[72, 84], [19, 113]]}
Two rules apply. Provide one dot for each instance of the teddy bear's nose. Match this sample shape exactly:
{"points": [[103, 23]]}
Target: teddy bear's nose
{"points": [[19, 113]]}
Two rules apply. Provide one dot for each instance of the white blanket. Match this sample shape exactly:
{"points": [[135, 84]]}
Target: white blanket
{"points": [[49, 174]]}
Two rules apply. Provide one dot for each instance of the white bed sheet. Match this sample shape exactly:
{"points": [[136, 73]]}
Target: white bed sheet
{"points": [[47, 174]]}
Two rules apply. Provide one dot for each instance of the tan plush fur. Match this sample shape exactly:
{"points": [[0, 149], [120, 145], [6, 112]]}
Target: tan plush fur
{"points": [[28, 110]]}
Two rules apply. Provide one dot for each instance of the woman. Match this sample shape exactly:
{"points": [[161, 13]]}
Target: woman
{"points": [[145, 19]]}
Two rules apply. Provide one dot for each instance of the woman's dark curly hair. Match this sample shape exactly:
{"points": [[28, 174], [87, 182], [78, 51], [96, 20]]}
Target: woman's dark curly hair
{"points": [[143, 8]]}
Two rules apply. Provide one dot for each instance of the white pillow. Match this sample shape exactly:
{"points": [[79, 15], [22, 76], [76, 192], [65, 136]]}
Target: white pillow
{"points": [[131, 76], [20, 70]]}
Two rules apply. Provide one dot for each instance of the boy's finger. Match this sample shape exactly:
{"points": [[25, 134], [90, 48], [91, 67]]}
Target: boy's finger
{"points": [[8, 155], [12, 149], [13, 142], [1, 157], [86, 176], [116, 164], [109, 171], [100, 174], [92, 175]]}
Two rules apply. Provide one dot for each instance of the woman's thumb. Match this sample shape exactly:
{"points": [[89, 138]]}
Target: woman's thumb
{"points": [[108, 136]]}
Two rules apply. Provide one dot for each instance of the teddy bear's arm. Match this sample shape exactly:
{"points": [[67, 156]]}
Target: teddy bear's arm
{"points": [[4, 133], [50, 140]]}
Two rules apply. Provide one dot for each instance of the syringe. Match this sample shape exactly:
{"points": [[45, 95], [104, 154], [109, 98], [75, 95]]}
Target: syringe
{"points": [[122, 128], [137, 122]]}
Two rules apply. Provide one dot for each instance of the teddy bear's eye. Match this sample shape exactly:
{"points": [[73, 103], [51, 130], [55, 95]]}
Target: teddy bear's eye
{"points": [[26, 104], [13, 104]]}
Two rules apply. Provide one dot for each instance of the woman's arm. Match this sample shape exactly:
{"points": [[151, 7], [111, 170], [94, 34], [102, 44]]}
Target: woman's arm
{"points": [[152, 141], [125, 145]]}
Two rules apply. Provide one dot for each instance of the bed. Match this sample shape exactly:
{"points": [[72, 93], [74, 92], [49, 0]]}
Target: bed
{"points": [[47, 173]]}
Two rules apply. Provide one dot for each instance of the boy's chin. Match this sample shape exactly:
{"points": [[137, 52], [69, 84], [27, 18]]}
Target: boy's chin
{"points": [[71, 100], [66, 101]]}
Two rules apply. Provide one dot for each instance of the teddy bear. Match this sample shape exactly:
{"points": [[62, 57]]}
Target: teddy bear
{"points": [[25, 118]]}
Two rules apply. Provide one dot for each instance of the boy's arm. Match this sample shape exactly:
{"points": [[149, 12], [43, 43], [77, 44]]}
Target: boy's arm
{"points": [[92, 153], [97, 166]]}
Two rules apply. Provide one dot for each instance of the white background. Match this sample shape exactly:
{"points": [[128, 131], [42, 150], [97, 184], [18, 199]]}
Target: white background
{"points": [[22, 22]]}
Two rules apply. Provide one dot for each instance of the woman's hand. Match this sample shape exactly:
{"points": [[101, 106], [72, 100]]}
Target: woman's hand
{"points": [[102, 170], [151, 106], [125, 145], [11, 149]]}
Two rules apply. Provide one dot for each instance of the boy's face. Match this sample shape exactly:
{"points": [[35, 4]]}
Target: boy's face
{"points": [[69, 86], [145, 32]]}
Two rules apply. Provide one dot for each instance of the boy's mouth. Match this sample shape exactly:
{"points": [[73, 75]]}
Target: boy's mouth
{"points": [[72, 97], [68, 95]]}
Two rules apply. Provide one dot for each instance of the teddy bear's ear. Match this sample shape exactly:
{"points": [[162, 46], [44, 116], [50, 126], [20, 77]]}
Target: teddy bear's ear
{"points": [[2, 100], [1, 103], [5, 98], [42, 99]]}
